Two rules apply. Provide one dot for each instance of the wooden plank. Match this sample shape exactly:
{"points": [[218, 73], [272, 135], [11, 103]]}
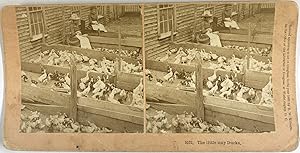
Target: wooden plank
{"points": [[244, 123], [233, 104], [173, 109], [163, 66], [169, 95], [132, 42], [72, 105], [101, 104], [258, 38], [37, 68], [46, 109], [220, 51], [257, 80], [199, 93], [43, 95], [114, 124]]}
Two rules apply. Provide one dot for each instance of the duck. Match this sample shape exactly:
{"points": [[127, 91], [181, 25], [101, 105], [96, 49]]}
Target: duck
{"points": [[24, 76], [213, 56], [221, 59], [226, 93], [240, 94], [112, 95], [98, 95], [84, 58], [213, 77], [66, 86], [86, 90], [213, 90], [209, 84], [82, 86], [86, 78], [43, 76], [169, 75], [67, 79]]}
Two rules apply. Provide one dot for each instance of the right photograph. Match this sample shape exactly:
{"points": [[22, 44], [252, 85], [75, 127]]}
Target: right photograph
{"points": [[208, 67]]}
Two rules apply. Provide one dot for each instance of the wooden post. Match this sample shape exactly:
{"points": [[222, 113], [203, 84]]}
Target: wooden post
{"points": [[199, 89], [73, 98], [248, 46], [44, 27], [119, 37]]}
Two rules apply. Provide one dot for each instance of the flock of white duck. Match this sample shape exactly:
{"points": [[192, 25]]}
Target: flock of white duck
{"points": [[234, 64], [253, 50], [123, 52], [100, 88], [105, 66], [225, 87], [33, 121], [185, 123], [230, 88]]}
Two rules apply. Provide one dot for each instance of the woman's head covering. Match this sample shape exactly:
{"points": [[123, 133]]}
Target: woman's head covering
{"points": [[74, 16], [206, 13]]}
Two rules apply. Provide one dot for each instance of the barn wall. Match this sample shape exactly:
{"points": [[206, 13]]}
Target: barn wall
{"points": [[186, 20], [57, 18]]}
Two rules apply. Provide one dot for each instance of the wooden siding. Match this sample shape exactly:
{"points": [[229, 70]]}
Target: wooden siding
{"points": [[57, 19], [186, 14]]}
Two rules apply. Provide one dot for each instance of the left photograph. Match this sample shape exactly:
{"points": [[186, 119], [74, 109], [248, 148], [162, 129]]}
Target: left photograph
{"points": [[81, 68]]}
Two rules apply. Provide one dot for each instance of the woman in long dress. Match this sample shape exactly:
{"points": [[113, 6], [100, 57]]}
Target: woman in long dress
{"points": [[206, 28], [227, 18], [93, 20]]}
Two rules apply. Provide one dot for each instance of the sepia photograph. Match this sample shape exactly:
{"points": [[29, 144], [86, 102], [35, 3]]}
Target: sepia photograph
{"points": [[190, 76], [209, 67], [81, 68]]}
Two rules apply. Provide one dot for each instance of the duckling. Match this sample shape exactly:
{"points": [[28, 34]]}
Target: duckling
{"points": [[86, 78], [43, 76], [213, 90], [213, 77]]}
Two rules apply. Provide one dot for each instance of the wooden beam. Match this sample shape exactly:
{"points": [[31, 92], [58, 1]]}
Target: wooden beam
{"points": [[168, 95], [112, 114], [259, 38], [173, 109], [129, 41], [73, 98], [199, 90], [43, 95], [46, 109], [116, 125]]}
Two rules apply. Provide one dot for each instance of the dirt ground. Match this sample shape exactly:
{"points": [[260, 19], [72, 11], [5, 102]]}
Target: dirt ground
{"points": [[130, 24], [266, 22]]}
